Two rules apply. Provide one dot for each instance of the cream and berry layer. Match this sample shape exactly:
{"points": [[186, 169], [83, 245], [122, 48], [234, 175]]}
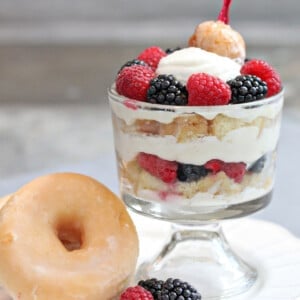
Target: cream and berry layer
{"points": [[213, 189]]}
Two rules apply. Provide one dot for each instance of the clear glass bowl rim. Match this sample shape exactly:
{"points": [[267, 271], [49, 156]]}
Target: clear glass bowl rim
{"points": [[141, 105]]}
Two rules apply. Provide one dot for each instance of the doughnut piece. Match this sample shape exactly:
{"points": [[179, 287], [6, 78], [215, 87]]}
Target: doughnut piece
{"points": [[219, 38], [66, 236]]}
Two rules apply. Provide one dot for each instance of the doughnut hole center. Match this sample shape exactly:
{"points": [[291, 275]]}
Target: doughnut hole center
{"points": [[70, 235]]}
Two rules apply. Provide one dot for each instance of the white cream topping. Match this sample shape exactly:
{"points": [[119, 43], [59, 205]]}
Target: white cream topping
{"points": [[185, 62], [245, 144]]}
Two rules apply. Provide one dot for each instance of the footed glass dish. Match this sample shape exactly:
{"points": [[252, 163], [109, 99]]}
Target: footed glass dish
{"points": [[195, 166]]}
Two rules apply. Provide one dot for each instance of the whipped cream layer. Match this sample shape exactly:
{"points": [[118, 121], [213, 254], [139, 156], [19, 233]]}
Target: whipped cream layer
{"points": [[185, 62], [245, 144], [129, 111]]}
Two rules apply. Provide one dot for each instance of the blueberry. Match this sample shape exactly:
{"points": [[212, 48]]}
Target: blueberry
{"points": [[189, 173], [258, 165]]}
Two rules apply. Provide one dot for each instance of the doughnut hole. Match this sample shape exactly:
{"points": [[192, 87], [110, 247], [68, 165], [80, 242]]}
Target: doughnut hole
{"points": [[70, 233]]}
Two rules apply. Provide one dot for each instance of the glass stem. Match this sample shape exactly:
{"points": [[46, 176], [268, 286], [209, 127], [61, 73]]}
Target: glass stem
{"points": [[202, 254]]}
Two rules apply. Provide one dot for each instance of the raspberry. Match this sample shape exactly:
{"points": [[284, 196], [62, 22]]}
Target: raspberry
{"points": [[134, 81], [205, 89], [214, 165], [236, 171], [152, 56], [136, 293], [267, 73], [163, 169]]}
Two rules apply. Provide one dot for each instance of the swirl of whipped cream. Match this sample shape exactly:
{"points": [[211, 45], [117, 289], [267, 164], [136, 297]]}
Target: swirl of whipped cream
{"points": [[185, 62]]}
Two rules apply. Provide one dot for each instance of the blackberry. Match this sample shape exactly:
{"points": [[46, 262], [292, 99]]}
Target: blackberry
{"points": [[258, 165], [189, 173], [167, 90], [171, 289], [247, 88], [132, 63], [152, 285], [172, 50]]}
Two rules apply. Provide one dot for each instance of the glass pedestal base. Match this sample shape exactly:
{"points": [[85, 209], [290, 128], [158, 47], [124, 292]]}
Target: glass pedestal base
{"points": [[201, 256]]}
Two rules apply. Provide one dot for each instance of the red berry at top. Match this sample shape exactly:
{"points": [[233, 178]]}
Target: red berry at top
{"points": [[204, 89], [152, 56], [267, 73], [133, 82], [224, 13]]}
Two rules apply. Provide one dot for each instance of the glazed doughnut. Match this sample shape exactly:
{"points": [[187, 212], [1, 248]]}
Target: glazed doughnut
{"points": [[66, 236]]}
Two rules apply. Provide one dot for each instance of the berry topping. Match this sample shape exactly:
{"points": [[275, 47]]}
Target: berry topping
{"points": [[170, 289], [134, 81], [172, 50], [224, 13], [189, 173], [165, 89], [136, 293], [214, 165], [163, 169], [267, 73], [258, 165], [236, 171], [247, 88], [205, 89], [132, 63], [152, 56]]}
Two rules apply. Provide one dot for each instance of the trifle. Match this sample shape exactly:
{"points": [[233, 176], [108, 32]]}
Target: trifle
{"points": [[196, 130]]}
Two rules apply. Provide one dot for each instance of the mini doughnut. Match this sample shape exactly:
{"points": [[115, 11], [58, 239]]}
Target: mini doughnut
{"points": [[66, 236], [219, 38]]}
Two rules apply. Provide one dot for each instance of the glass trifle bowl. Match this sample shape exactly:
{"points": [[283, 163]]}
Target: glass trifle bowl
{"points": [[195, 166]]}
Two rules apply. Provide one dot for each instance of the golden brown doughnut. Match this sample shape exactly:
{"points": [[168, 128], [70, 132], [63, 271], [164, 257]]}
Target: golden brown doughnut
{"points": [[66, 236]]}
